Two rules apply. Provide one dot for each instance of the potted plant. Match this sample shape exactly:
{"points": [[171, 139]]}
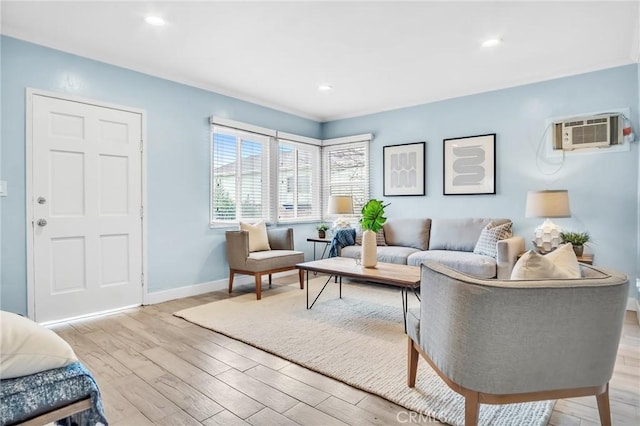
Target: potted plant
{"points": [[371, 221], [577, 240], [322, 230]]}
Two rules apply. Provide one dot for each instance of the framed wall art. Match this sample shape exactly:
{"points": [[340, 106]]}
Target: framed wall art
{"points": [[403, 167], [470, 165]]}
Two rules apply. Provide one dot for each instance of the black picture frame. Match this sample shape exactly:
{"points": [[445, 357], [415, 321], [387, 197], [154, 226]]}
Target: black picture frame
{"points": [[404, 169], [469, 165]]}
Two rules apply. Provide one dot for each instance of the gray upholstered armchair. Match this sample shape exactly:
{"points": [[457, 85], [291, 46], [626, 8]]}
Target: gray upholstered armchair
{"points": [[281, 257], [500, 341]]}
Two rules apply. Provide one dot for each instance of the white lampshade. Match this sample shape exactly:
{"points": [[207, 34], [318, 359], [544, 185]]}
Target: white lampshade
{"points": [[340, 204], [548, 204]]}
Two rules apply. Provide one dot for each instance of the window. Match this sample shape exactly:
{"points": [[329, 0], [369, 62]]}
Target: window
{"points": [[298, 182], [261, 174], [345, 169], [255, 176], [239, 175]]}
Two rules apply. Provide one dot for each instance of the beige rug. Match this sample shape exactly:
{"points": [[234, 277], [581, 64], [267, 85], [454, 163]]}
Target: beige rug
{"points": [[358, 340]]}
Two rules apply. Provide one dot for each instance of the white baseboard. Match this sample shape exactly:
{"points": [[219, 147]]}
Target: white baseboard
{"points": [[202, 288], [633, 304]]}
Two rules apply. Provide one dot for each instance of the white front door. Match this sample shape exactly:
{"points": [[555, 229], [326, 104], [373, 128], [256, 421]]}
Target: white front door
{"points": [[86, 197]]}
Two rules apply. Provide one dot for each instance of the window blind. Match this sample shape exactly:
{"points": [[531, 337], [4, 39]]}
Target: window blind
{"points": [[298, 182], [346, 172], [239, 176]]}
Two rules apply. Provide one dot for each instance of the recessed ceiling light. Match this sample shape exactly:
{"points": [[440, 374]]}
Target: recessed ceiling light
{"points": [[325, 87], [154, 20], [491, 42]]}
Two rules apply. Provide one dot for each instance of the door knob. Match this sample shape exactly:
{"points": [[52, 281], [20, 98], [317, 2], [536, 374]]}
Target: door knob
{"points": [[41, 200], [42, 222]]}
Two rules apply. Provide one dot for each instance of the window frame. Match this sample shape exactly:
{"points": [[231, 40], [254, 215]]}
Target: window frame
{"points": [[270, 172]]}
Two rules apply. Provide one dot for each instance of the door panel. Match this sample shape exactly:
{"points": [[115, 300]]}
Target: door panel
{"points": [[87, 198]]}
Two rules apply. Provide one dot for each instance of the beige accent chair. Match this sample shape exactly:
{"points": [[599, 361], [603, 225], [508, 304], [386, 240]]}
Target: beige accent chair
{"points": [[501, 341], [281, 257]]}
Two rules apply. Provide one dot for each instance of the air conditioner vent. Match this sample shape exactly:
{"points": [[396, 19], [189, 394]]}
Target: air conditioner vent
{"points": [[588, 132]]}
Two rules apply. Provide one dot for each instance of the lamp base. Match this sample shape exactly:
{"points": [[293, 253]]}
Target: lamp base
{"points": [[547, 236]]}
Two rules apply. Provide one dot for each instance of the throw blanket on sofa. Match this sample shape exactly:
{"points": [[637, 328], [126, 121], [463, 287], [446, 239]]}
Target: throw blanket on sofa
{"points": [[28, 396], [342, 238]]}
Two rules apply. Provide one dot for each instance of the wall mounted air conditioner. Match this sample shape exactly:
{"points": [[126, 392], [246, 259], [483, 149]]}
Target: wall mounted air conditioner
{"points": [[597, 131]]}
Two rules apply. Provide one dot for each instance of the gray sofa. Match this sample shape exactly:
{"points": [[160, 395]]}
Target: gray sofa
{"points": [[447, 241]]}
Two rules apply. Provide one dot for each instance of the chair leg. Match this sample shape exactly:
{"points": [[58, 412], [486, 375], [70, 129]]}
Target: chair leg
{"points": [[604, 409], [301, 272], [412, 363], [258, 286], [471, 408], [231, 273]]}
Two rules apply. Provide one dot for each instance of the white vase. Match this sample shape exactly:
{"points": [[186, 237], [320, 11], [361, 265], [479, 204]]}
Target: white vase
{"points": [[369, 249]]}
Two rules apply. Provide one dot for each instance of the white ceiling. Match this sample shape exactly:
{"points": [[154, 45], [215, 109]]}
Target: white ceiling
{"points": [[377, 55]]}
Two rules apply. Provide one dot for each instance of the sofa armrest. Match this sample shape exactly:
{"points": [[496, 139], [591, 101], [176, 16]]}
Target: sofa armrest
{"points": [[507, 255], [280, 238]]}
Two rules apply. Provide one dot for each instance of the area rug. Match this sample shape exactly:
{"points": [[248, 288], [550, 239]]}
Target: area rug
{"points": [[358, 340]]}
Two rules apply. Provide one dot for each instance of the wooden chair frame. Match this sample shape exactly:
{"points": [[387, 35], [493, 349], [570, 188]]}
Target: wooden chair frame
{"points": [[473, 399]]}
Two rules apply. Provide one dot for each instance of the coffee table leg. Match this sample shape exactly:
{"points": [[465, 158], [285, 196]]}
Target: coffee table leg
{"points": [[321, 290], [340, 287], [308, 282], [405, 303]]}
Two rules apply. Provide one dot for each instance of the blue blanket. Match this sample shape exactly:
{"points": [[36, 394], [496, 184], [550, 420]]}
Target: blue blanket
{"points": [[342, 238], [25, 397]]}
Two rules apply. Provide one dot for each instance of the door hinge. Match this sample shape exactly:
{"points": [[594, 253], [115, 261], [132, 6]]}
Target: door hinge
{"points": [[141, 145], [142, 279], [141, 212]]}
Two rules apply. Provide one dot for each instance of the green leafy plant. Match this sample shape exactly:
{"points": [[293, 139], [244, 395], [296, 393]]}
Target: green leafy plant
{"points": [[373, 215], [575, 238], [322, 227]]}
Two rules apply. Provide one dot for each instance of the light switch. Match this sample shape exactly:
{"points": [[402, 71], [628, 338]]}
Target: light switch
{"points": [[3, 188]]}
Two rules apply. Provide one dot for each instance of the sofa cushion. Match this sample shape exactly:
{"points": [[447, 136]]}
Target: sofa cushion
{"points": [[476, 265], [273, 259], [408, 233], [458, 234], [489, 237], [387, 254]]}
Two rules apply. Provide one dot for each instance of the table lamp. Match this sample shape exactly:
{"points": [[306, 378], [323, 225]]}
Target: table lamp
{"points": [[548, 204], [340, 204]]}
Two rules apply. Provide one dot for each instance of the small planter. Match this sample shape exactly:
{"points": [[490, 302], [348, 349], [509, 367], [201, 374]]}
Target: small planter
{"points": [[322, 234], [578, 249]]}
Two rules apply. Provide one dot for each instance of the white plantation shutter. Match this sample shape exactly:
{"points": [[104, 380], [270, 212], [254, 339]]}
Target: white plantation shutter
{"points": [[345, 168], [298, 182], [262, 174], [239, 176]]}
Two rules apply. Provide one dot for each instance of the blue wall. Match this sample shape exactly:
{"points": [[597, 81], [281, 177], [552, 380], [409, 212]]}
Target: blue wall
{"points": [[182, 249], [603, 188]]}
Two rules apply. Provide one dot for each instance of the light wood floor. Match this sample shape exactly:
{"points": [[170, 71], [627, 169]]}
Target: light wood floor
{"points": [[154, 368]]}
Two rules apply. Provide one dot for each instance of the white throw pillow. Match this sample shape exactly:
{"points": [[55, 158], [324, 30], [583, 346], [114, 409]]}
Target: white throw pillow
{"points": [[27, 347], [258, 239], [564, 257], [534, 266], [489, 237], [380, 241]]}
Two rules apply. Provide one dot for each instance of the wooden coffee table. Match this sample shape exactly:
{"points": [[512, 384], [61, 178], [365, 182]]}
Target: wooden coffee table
{"points": [[404, 276]]}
